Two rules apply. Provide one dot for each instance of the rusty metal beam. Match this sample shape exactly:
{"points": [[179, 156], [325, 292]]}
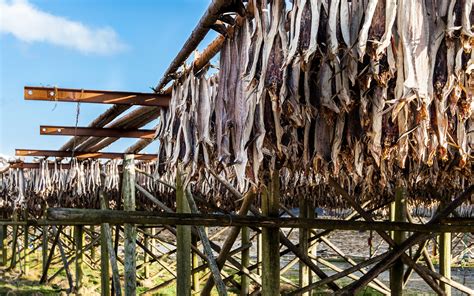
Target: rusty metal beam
{"points": [[80, 154], [95, 96], [96, 132]]}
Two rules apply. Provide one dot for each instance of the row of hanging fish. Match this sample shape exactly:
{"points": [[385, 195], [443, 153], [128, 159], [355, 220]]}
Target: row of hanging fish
{"points": [[73, 185], [365, 91]]}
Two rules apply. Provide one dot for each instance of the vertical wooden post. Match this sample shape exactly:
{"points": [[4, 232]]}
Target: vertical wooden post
{"points": [[130, 231], [79, 242], [304, 272], [183, 243], [3, 249], [25, 248], [195, 264], [245, 261], [93, 248], [44, 246], [397, 214], [146, 242], [259, 253], [104, 252], [445, 260], [271, 239]]}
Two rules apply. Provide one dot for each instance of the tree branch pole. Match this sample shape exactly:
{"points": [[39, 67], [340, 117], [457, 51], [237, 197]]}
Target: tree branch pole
{"points": [[130, 232]]}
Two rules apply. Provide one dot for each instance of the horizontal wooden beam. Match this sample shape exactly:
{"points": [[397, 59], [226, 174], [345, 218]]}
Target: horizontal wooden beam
{"points": [[80, 154], [89, 216], [96, 132], [95, 96]]}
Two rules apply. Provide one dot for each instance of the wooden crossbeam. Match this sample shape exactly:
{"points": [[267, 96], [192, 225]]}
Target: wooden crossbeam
{"points": [[94, 217], [95, 96], [81, 154], [96, 132]]}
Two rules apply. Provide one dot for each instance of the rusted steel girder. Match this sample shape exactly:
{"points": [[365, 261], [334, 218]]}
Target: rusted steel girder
{"points": [[80, 154], [95, 96], [96, 132]]}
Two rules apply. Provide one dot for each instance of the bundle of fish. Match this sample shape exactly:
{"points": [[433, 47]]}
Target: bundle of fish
{"points": [[366, 92]]}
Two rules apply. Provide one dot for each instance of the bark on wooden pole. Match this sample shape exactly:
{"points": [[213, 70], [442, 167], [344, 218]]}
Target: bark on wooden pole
{"points": [[130, 231], [183, 240], [271, 239], [397, 214], [79, 262]]}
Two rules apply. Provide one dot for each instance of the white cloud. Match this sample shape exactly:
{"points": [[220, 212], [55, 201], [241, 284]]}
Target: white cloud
{"points": [[30, 24]]}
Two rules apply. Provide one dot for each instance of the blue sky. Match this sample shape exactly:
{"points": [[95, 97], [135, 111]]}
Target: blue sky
{"points": [[110, 45]]}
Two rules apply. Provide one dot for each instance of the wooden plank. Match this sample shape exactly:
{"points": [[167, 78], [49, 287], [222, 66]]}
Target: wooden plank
{"points": [[81, 154], [130, 231], [54, 130], [95, 96]]}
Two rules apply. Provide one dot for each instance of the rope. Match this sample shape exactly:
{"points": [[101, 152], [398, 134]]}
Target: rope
{"points": [[78, 112]]}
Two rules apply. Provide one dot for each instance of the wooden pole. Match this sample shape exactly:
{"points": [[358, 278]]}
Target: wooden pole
{"points": [[304, 272], [397, 214], [44, 245], [245, 261], [79, 262], [271, 239], [445, 260], [3, 248], [195, 264], [104, 264], [183, 240], [146, 242], [130, 231]]}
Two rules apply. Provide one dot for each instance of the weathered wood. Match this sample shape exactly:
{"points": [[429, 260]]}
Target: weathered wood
{"points": [[106, 234], [79, 261], [245, 261], [44, 276], [26, 259], [413, 239], [183, 245], [130, 232], [304, 272], [387, 238], [44, 245], [194, 264], [211, 260], [397, 213], [67, 216], [146, 259], [3, 245], [64, 260], [445, 260], [208, 19], [104, 264], [230, 239], [271, 238], [337, 276]]}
